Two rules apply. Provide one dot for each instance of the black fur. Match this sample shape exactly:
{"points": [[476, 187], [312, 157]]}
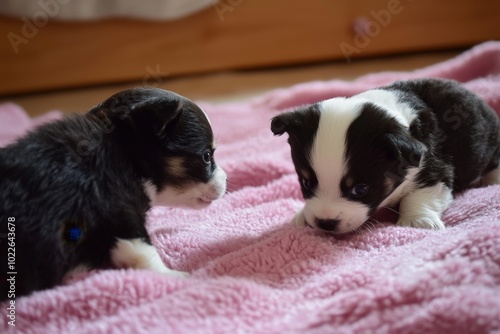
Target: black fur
{"points": [[460, 130], [87, 171], [301, 125], [452, 137], [375, 154]]}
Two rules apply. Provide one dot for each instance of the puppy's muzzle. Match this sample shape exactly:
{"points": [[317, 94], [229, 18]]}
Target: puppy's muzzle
{"points": [[327, 224], [217, 186]]}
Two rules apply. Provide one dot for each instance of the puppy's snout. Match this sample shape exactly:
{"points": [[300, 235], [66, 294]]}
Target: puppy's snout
{"points": [[327, 224], [219, 182]]}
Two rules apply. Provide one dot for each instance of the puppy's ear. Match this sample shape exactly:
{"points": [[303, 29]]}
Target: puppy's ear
{"points": [[294, 122], [404, 147], [157, 113], [142, 109], [279, 124]]}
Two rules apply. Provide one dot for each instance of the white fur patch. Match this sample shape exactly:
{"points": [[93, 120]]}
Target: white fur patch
{"points": [[389, 101], [423, 207], [328, 151], [135, 253], [329, 161], [351, 215], [194, 195]]}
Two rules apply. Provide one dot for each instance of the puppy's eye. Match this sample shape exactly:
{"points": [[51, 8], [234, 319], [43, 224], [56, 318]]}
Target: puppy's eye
{"points": [[359, 190], [207, 157], [305, 183]]}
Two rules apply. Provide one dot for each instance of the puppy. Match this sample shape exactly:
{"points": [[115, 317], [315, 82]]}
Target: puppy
{"points": [[413, 143], [75, 192]]}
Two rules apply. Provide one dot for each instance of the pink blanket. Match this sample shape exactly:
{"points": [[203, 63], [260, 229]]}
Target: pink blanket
{"points": [[251, 271]]}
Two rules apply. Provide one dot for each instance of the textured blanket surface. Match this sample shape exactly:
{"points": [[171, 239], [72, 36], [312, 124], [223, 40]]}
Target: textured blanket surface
{"points": [[253, 272]]}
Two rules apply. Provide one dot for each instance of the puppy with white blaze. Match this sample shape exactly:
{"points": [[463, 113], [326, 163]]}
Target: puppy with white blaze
{"points": [[77, 190], [408, 146]]}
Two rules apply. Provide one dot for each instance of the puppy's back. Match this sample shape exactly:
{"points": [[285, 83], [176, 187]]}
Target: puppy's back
{"points": [[457, 119], [69, 173]]}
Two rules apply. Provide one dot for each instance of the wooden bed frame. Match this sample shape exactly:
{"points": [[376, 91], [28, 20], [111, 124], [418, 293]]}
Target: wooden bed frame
{"points": [[40, 54]]}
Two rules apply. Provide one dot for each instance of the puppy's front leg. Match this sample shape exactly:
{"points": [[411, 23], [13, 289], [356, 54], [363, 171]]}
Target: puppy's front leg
{"points": [[136, 253], [423, 207]]}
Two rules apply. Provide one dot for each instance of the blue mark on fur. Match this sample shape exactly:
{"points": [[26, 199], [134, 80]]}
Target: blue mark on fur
{"points": [[74, 234]]}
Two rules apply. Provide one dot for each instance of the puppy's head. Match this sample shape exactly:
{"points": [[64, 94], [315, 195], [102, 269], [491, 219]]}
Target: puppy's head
{"points": [[350, 155], [172, 144]]}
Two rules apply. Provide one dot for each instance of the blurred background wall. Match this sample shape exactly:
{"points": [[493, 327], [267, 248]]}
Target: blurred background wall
{"points": [[60, 44]]}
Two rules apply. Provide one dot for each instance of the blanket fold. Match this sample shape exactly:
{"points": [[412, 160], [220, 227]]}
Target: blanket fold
{"points": [[253, 272]]}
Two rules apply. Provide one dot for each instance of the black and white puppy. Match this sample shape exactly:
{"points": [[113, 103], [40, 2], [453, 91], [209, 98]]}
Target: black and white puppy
{"points": [[75, 192], [413, 143]]}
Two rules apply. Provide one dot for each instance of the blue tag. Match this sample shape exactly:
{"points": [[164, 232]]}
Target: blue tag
{"points": [[74, 234]]}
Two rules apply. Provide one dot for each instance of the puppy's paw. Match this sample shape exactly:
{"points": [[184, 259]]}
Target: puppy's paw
{"points": [[135, 253], [173, 273], [299, 220], [423, 207], [430, 223]]}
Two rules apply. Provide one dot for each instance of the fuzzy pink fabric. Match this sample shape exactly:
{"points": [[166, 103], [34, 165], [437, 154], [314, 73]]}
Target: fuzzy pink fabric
{"points": [[252, 272]]}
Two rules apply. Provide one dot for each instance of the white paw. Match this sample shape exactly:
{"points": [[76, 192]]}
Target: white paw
{"points": [[170, 272], [430, 223], [423, 207], [299, 220], [135, 253]]}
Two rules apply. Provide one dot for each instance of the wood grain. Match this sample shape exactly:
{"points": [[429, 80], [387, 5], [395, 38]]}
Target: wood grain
{"points": [[244, 34], [229, 86]]}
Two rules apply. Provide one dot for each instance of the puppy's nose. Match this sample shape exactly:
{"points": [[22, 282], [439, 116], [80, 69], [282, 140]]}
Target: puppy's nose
{"points": [[327, 224]]}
